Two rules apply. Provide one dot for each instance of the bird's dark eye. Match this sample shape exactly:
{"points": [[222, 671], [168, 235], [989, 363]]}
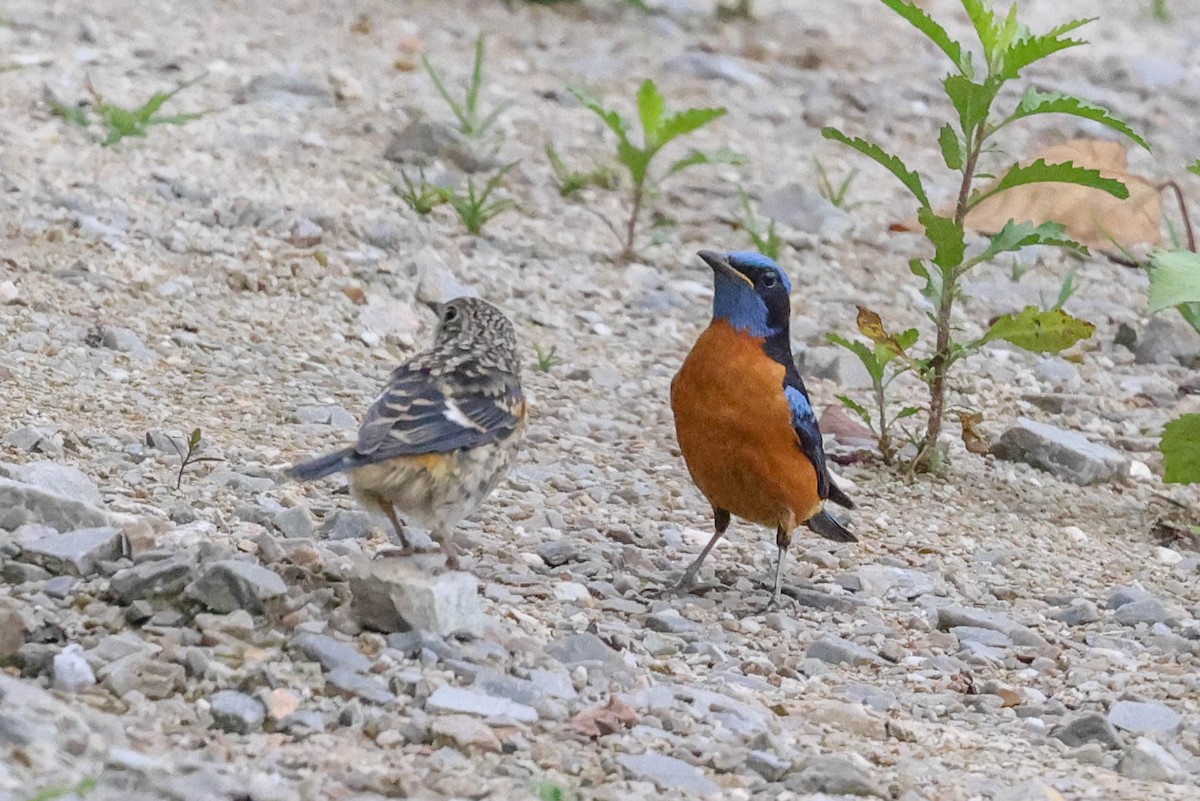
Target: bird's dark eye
{"points": [[451, 314], [769, 280]]}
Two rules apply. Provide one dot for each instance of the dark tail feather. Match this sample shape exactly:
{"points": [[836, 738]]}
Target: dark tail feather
{"points": [[837, 496], [323, 465], [824, 524]]}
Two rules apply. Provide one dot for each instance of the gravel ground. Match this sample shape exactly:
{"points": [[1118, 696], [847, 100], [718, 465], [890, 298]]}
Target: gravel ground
{"points": [[998, 633]]}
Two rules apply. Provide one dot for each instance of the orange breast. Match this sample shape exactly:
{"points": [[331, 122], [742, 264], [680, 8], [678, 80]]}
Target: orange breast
{"points": [[735, 431]]}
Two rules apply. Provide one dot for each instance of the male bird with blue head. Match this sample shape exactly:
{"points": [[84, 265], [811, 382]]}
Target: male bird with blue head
{"points": [[746, 428]]}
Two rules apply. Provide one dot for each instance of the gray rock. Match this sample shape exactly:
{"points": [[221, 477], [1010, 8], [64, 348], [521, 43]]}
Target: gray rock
{"points": [[59, 479], [988, 637], [1146, 760], [347, 524], [949, 617], [60, 586], [836, 775], [395, 595], [125, 341], [1077, 613], [713, 66], [1144, 717], [667, 772], [22, 504], [770, 766], [879, 581], [295, 523], [356, 684], [423, 140], [290, 91], [234, 584], [834, 364], [583, 649], [303, 722], [836, 650], [436, 284], [145, 673], [1088, 727], [1059, 373], [1067, 454], [669, 621], [332, 654], [76, 552], [457, 699], [801, 208], [1127, 595], [236, 712], [33, 439], [335, 416], [165, 578], [1147, 610], [489, 681], [1167, 340], [559, 552]]}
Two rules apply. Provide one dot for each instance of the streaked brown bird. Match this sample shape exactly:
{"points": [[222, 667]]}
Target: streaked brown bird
{"points": [[445, 430], [745, 425]]}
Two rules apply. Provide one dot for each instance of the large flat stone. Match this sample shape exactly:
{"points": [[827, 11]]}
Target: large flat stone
{"points": [[1067, 454], [395, 595]]}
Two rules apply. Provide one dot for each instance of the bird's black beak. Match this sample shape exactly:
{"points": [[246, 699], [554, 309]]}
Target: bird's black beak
{"points": [[720, 264]]}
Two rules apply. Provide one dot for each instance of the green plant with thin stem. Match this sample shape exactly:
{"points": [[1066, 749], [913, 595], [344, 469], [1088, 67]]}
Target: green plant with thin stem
{"points": [[1008, 47], [471, 119], [191, 455], [571, 181], [421, 196], [475, 206], [1159, 11], [545, 358], [120, 122], [768, 242], [80, 790], [835, 194], [659, 129]]}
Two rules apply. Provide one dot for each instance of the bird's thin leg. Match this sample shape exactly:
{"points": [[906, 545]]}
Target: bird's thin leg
{"points": [[720, 524], [783, 538], [398, 528], [445, 539]]}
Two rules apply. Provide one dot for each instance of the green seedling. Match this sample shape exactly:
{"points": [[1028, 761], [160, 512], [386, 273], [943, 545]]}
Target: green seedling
{"points": [[769, 243], [659, 128], [190, 455], [421, 197], [82, 789], [973, 90], [121, 122], [571, 181], [1180, 446], [1159, 10], [471, 120], [835, 194], [474, 207], [545, 358]]}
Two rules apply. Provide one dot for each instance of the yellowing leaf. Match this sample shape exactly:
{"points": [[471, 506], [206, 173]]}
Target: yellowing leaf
{"points": [[1039, 331], [973, 438], [872, 328], [1091, 217]]}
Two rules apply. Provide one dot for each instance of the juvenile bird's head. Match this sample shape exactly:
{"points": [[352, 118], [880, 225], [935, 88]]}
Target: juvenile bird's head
{"points": [[471, 325], [750, 292]]}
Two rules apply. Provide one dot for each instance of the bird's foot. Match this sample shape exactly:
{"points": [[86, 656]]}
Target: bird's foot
{"points": [[396, 553]]}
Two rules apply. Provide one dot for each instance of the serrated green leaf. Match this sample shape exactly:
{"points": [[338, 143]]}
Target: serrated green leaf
{"points": [[1016, 235], [1038, 330], [952, 152], [933, 280], [855, 407], [651, 106], [907, 411], [910, 179], [971, 100], [611, 118], [722, 156], [947, 237], [683, 122], [865, 355], [908, 338], [984, 20], [1040, 172], [917, 17], [1180, 446], [1029, 49], [1035, 102], [1174, 279]]}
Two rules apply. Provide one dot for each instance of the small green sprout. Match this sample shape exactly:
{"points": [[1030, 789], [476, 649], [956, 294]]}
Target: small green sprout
{"points": [[835, 194], [474, 207], [571, 181], [189, 456], [769, 243], [545, 358], [421, 197], [471, 121], [121, 122]]}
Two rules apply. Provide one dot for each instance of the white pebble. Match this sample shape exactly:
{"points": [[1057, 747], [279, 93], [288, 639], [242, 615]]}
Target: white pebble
{"points": [[72, 673], [571, 591], [1140, 471], [1074, 534], [1168, 556]]}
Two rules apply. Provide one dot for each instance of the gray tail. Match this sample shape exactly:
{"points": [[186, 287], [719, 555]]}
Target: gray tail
{"points": [[323, 465], [824, 525], [837, 496]]}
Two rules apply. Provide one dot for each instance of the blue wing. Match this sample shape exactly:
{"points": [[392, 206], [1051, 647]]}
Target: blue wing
{"points": [[421, 412], [804, 421]]}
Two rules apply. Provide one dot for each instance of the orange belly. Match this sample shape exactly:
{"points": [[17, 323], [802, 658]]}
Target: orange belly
{"points": [[735, 431]]}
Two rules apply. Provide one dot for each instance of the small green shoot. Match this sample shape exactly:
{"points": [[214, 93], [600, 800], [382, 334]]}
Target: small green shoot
{"points": [[835, 194], [1159, 11], [82, 789], [421, 197], [550, 791], [121, 122], [972, 89], [76, 115], [571, 181], [659, 128], [1180, 446], [1068, 288], [545, 358], [769, 243], [474, 207], [471, 120], [191, 455]]}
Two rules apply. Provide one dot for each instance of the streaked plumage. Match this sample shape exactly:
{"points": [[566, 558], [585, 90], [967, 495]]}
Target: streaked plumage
{"points": [[746, 427], [445, 429]]}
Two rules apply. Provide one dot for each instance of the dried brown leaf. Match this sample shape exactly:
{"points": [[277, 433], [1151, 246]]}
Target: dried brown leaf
{"points": [[975, 440], [601, 720]]}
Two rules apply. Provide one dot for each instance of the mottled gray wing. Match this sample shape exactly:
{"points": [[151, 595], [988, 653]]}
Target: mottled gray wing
{"points": [[422, 412]]}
